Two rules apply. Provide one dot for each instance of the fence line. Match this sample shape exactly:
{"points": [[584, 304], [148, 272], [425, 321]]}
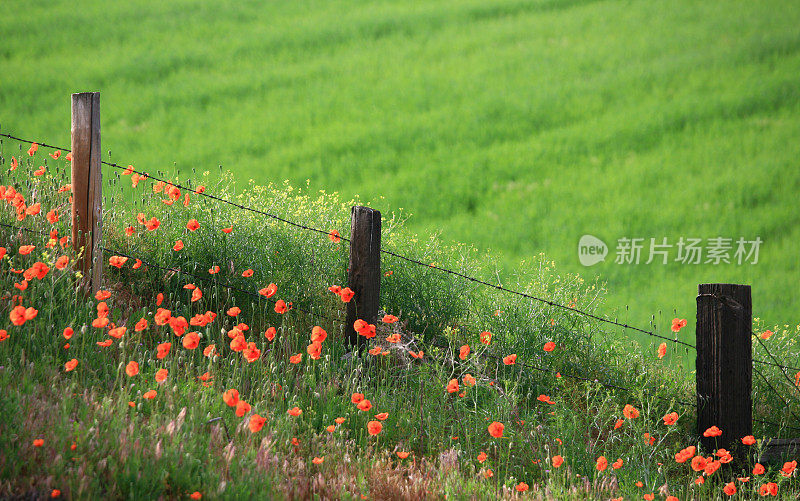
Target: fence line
{"points": [[384, 251]]}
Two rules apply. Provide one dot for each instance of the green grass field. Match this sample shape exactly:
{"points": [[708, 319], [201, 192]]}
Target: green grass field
{"points": [[514, 125]]}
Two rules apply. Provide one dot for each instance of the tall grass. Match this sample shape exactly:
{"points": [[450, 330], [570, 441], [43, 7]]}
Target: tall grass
{"points": [[187, 439]]}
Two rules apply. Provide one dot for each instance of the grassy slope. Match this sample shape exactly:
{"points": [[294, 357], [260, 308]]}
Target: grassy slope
{"points": [[517, 125]]}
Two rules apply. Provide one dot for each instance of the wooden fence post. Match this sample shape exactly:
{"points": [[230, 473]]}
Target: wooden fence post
{"points": [[724, 364], [364, 272], [87, 187]]}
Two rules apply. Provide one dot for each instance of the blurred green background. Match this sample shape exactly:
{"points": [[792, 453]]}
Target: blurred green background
{"points": [[518, 126]]}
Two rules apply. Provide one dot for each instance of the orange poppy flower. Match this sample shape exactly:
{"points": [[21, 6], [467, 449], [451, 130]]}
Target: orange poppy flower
{"points": [[671, 418], [766, 335], [749, 440], [251, 353], [117, 332], [630, 412], [678, 324], [149, 395], [191, 340], [213, 270], [488, 474], [132, 368], [234, 311], [105, 344], [482, 457], [618, 424], [247, 273], [347, 294], [339, 420], [452, 386], [209, 350], [334, 236], [242, 408], [557, 461], [788, 468], [549, 346], [270, 333], [14, 163], [55, 493], [330, 428], [314, 350], [69, 366], [335, 289], [62, 262], [269, 290], [375, 351], [152, 224], [294, 411], [162, 350], [364, 405], [192, 225], [496, 429], [296, 359], [238, 343], [317, 460], [357, 397], [231, 397], [617, 464], [486, 337], [68, 332], [227, 230], [117, 261], [280, 307], [649, 497], [521, 487], [382, 416], [510, 359], [161, 375], [402, 454], [699, 463], [389, 319], [712, 432], [662, 350], [24, 250], [33, 149], [374, 427], [38, 442], [602, 463], [318, 334], [768, 489], [196, 495], [463, 352]]}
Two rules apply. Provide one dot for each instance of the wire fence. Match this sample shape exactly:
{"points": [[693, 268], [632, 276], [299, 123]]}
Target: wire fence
{"points": [[548, 302]]}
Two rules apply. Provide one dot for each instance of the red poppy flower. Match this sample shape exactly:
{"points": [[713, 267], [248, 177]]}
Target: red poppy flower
{"points": [[196, 295], [280, 306], [24, 250], [294, 411], [364, 405], [33, 149], [3, 335], [213, 270], [630, 412], [678, 324], [269, 290], [242, 408], [196, 495], [38, 442], [766, 335], [71, 365], [191, 340], [346, 294], [617, 464], [557, 461], [662, 350], [486, 337], [389, 319], [234, 311], [251, 353], [318, 334], [549, 346], [374, 427], [227, 230], [149, 395], [521, 487], [62, 262], [132, 368], [117, 261], [712, 432], [270, 333], [749, 440], [231, 397], [496, 429], [161, 375], [334, 236], [602, 463], [452, 386], [463, 352], [296, 359], [670, 418], [178, 246], [192, 225], [247, 273], [510, 359], [356, 397]]}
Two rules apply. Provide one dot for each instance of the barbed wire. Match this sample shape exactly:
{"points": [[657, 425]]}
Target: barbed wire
{"points": [[384, 251]]}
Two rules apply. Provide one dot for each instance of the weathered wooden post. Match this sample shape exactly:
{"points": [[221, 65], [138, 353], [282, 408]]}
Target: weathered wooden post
{"points": [[364, 272], [724, 364], [87, 187]]}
